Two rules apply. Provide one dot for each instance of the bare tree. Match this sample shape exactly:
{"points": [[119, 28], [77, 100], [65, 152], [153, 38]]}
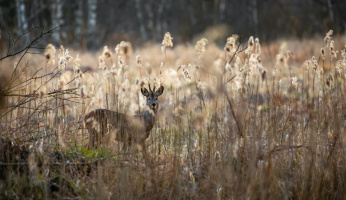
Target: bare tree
{"points": [[56, 14], [79, 20], [21, 18], [150, 18], [141, 20], [92, 18], [222, 9], [330, 10], [253, 8]]}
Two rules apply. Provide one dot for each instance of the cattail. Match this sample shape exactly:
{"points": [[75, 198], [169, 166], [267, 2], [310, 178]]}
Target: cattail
{"points": [[309, 64], [280, 60], [68, 58], [328, 37], [49, 54], [167, 41], [139, 61], [257, 46], [64, 57], [331, 46], [61, 51], [102, 64], [201, 47], [124, 49], [106, 53], [117, 48], [314, 63], [121, 64], [288, 54], [186, 73], [322, 52], [251, 44], [161, 68], [263, 74], [230, 45], [333, 53], [107, 56]]}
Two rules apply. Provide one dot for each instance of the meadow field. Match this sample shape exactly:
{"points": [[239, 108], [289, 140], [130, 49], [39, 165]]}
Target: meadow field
{"points": [[240, 121]]}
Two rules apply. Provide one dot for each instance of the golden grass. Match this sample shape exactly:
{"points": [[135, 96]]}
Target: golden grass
{"points": [[263, 127]]}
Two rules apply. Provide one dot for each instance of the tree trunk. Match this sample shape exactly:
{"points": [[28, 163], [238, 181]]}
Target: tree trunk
{"points": [[159, 21], [21, 19], [253, 8], [330, 10], [222, 9], [140, 20], [92, 15], [92, 19], [56, 13], [79, 21]]}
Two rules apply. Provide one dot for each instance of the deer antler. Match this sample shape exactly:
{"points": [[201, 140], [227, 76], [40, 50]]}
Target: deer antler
{"points": [[150, 88]]}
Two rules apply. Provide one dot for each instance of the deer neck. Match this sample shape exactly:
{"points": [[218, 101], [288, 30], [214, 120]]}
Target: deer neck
{"points": [[149, 118]]}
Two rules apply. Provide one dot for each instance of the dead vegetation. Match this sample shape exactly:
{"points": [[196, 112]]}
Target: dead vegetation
{"points": [[234, 122]]}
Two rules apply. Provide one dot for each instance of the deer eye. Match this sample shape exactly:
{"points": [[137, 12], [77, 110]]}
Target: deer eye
{"points": [[156, 98], [149, 99]]}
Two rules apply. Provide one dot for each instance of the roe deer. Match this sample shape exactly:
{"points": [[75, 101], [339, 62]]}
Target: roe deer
{"points": [[128, 128]]}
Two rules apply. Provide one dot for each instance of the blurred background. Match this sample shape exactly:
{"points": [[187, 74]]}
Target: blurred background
{"points": [[90, 24]]}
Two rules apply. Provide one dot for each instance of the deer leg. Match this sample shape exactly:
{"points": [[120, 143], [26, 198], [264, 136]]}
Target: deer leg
{"points": [[145, 154], [127, 145], [92, 135], [144, 149]]}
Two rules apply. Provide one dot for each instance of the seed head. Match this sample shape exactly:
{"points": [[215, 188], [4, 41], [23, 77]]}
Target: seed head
{"points": [[167, 40], [106, 53], [49, 54], [186, 73], [322, 52], [328, 37], [64, 57], [251, 43], [139, 61], [230, 45], [257, 46], [200, 47]]}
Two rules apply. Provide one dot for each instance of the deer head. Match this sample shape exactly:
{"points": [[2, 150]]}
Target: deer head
{"points": [[152, 96]]}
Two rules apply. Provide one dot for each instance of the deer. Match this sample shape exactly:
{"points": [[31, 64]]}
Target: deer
{"points": [[128, 129]]}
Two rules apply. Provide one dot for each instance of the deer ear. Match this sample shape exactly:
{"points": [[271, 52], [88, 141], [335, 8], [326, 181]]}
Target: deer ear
{"points": [[145, 92], [159, 91]]}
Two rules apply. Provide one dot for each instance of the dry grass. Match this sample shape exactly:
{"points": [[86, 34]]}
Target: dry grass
{"points": [[261, 127]]}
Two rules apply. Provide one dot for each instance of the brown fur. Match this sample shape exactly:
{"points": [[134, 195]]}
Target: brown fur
{"points": [[128, 129]]}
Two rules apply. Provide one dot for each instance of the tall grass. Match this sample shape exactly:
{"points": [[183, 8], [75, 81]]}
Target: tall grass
{"points": [[242, 122]]}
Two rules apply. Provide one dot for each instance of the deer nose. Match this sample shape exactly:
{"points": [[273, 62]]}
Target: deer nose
{"points": [[154, 104]]}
